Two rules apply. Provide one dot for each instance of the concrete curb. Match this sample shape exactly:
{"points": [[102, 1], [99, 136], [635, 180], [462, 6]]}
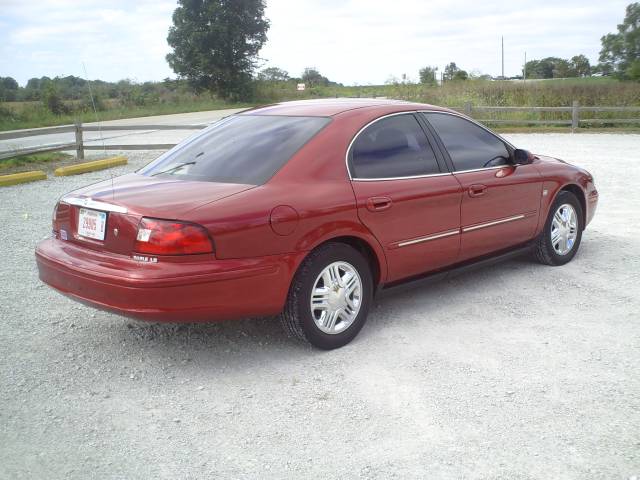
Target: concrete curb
{"points": [[24, 177], [90, 166]]}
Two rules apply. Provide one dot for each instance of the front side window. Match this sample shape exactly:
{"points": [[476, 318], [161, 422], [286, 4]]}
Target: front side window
{"points": [[393, 147], [245, 149], [470, 146]]}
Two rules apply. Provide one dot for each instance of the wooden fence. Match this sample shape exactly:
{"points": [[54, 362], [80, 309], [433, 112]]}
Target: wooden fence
{"points": [[572, 117], [79, 146]]}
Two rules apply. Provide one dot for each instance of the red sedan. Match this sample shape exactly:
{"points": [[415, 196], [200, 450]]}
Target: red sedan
{"points": [[306, 210]]}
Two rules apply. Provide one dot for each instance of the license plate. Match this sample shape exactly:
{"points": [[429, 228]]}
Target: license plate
{"points": [[92, 224]]}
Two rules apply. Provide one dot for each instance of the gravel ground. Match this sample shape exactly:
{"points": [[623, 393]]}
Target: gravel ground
{"points": [[515, 371]]}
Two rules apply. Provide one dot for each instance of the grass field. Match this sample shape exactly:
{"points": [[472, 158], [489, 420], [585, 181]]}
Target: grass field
{"points": [[17, 115], [532, 93], [541, 93], [602, 91]]}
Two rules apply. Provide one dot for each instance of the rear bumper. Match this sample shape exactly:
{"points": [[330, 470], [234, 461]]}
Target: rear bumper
{"points": [[194, 290]]}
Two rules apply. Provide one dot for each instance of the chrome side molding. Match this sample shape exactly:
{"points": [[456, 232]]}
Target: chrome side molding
{"points": [[495, 222], [428, 238], [449, 233]]}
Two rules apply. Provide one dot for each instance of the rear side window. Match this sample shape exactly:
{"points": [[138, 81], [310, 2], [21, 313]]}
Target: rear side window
{"points": [[393, 147], [469, 146], [246, 149]]}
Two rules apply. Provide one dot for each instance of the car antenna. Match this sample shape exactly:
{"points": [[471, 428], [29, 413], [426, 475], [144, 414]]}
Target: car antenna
{"points": [[95, 112]]}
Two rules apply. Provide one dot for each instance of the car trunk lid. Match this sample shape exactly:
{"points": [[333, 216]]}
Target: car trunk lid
{"points": [[129, 198]]}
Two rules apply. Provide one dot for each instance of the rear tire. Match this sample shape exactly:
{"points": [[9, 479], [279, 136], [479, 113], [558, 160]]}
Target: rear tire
{"points": [[560, 239], [329, 297]]}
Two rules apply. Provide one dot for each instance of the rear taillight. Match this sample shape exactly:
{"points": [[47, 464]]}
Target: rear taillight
{"points": [[166, 237]]}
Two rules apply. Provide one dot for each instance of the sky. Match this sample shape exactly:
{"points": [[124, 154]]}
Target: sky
{"points": [[355, 42]]}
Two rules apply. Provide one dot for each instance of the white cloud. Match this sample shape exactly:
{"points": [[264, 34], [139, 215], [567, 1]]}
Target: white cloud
{"points": [[350, 41]]}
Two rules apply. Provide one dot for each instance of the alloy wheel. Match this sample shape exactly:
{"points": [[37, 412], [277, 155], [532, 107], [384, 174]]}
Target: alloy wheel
{"points": [[336, 298], [564, 229]]}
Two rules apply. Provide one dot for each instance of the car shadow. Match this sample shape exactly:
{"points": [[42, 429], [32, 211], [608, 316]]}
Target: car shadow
{"points": [[263, 334], [249, 333]]}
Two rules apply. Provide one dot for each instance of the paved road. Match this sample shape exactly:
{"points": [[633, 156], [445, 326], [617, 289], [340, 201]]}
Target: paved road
{"points": [[127, 137], [517, 372]]}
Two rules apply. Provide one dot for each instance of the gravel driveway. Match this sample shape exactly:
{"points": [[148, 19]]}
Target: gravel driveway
{"points": [[515, 371]]}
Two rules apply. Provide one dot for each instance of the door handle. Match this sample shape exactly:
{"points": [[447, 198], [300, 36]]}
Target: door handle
{"points": [[378, 204], [477, 190]]}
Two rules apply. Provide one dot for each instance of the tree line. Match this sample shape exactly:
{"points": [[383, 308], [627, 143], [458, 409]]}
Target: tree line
{"points": [[76, 92], [52, 91]]}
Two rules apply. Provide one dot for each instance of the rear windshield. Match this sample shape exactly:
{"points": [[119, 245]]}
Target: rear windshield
{"points": [[246, 149]]}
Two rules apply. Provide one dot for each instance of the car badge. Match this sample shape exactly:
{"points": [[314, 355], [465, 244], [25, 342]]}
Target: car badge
{"points": [[115, 232]]}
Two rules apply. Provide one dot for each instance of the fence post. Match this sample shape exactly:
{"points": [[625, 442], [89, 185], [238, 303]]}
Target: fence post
{"points": [[575, 116], [467, 108], [79, 142]]}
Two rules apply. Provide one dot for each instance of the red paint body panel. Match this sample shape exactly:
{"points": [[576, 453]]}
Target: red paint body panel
{"points": [[159, 197], [507, 193], [557, 175], [261, 234], [419, 208], [200, 288]]}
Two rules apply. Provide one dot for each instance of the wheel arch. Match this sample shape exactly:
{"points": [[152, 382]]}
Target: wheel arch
{"points": [[579, 193], [374, 256], [367, 252]]}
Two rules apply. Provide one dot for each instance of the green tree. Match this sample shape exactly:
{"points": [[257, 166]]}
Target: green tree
{"points": [[550, 67], [313, 78], [8, 89], [216, 43], [581, 66], [452, 72], [273, 74], [32, 89], [52, 100], [535, 69], [428, 75], [621, 51], [461, 75], [562, 69]]}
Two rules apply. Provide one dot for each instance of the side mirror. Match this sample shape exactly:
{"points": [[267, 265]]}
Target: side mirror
{"points": [[522, 157]]}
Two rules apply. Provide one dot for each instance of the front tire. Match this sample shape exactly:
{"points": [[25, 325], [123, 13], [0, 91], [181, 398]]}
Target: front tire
{"points": [[559, 241], [330, 297]]}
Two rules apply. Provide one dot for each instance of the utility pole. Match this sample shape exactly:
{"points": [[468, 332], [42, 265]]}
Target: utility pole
{"points": [[502, 57], [524, 71]]}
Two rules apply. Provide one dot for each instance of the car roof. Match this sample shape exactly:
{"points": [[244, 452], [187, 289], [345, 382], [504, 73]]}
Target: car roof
{"points": [[334, 106]]}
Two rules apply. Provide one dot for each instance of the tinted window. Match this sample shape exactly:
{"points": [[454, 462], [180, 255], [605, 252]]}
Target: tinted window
{"points": [[392, 147], [469, 145], [246, 149]]}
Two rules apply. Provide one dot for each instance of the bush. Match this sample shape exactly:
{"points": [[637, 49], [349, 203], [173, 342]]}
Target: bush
{"points": [[53, 101], [86, 104], [9, 115]]}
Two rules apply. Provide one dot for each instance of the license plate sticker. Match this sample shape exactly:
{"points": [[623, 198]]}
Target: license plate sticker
{"points": [[92, 224]]}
